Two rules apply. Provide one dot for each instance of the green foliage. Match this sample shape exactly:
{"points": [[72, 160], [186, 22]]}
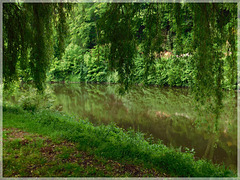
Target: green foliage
{"points": [[121, 39], [28, 43], [31, 100], [148, 34], [123, 30], [70, 64], [179, 71], [82, 24], [15, 40], [97, 65], [139, 70], [112, 77], [173, 71], [77, 66]]}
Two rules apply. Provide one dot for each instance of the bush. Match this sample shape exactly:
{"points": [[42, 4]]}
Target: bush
{"points": [[31, 99]]}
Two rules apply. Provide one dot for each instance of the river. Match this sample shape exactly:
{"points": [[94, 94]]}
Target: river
{"points": [[166, 114]]}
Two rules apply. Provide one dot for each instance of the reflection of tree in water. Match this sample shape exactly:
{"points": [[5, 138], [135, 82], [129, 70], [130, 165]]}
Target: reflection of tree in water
{"points": [[210, 147], [180, 131], [207, 145], [226, 149], [167, 114]]}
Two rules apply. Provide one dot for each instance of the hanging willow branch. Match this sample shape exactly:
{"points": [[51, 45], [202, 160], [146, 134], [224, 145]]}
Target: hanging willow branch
{"points": [[117, 32], [27, 34]]}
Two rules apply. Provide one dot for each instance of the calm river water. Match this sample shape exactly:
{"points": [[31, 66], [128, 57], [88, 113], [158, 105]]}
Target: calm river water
{"points": [[168, 114]]}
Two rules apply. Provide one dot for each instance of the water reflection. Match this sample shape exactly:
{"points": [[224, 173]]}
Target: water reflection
{"points": [[166, 113]]}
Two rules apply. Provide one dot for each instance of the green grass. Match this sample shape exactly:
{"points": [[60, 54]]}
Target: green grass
{"points": [[30, 155], [109, 142]]}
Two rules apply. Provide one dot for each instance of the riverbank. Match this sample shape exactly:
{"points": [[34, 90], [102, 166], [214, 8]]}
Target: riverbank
{"points": [[32, 155], [107, 142]]}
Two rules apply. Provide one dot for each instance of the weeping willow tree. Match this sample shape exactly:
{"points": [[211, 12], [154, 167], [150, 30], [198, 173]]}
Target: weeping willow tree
{"points": [[214, 26], [28, 39], [213, 33], [125, 29]]}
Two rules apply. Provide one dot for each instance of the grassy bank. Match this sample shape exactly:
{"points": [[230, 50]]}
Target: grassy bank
{"points": [[32, 155], [110, 142]]}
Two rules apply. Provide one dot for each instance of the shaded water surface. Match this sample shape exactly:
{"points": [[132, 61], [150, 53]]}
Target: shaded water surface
{"points": [[168, 114]]}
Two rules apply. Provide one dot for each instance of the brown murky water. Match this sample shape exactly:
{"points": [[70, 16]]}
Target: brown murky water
{"points": [[168, 114]]}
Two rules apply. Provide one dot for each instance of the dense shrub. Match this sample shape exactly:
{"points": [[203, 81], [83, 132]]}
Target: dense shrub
{"points": [[32, 100], [78, 65]]}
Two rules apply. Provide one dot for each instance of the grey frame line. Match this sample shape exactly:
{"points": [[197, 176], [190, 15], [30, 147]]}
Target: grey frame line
{"points": [[116, 1]]}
